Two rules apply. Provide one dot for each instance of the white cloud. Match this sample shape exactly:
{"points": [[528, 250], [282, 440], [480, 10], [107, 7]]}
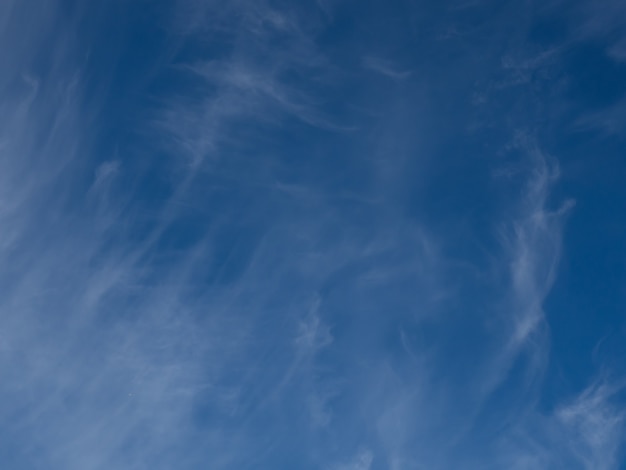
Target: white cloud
{"points": [[246, 84], [593, 427], [153, 330], [532, 249], [609, 121], [361, 461], [585, 432], [385, 68]]}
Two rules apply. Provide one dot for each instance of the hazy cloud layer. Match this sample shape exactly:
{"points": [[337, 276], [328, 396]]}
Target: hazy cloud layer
{"points": [[317, 235]]}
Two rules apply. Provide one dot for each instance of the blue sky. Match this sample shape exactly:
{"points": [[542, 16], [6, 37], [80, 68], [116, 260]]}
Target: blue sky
{"points": [[326, 234]]}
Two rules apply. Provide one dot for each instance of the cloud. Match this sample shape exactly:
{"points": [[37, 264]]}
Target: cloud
{"points": [[385, 68], [585, 432], [536, 247], [531, 239], [312, 335], [255, 81], [605, 21], [609, 121], [277, 299], [101, 357], [362, 461], [593, 426]]}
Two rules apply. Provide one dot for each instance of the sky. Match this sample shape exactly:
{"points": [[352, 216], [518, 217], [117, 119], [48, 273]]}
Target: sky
{"points": [[312, 234]]}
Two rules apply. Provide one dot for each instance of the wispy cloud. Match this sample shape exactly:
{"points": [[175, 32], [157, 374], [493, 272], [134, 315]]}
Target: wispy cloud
{"points": [[385, 68], [229, 279], [254, 81], [583, 432], [362, 461], [605, 21], [535, 248], [594, 427], [609, 121], [101, 358], [532, 242]]}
